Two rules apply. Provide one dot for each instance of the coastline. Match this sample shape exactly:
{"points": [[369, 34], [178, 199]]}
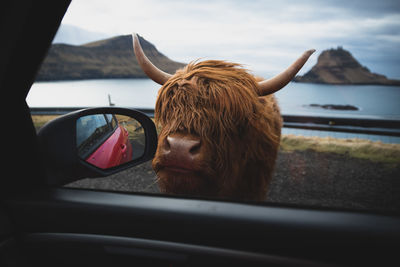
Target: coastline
{"points": [[140, 76], [394, 83]]}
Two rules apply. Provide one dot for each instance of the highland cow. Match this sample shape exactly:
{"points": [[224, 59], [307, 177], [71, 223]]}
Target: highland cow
{"points": [[220, 128]]}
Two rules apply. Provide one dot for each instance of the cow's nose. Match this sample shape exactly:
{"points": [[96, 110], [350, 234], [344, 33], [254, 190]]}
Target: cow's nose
{"points": [[182, 145]]}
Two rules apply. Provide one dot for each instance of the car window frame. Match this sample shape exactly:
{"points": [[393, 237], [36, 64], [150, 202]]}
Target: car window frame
{"points": [[35, 207]]}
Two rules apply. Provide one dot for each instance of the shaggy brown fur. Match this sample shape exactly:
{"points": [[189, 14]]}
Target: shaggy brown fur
{"points": [[218, 102]]}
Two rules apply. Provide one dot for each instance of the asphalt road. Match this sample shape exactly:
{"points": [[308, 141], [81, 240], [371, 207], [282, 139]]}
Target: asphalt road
{"points": [[305, 178]]}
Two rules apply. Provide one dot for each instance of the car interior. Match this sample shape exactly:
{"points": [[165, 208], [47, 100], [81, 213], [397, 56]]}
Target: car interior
{"points": [[43, 224]]}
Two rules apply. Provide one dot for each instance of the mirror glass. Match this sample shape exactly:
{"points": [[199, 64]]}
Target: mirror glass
{"points": [[109, 140]]}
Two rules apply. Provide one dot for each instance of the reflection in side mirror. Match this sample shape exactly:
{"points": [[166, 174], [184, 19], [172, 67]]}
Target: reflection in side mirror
{"points": [[95, 142], [109, 140]]}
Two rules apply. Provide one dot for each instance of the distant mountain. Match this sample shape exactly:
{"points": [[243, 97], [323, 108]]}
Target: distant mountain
{"points": [[73, 35], [105, 59], [338, 66]]}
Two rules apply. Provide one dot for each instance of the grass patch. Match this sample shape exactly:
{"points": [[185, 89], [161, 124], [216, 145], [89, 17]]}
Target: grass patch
{"points": [[134, 128], [357, 148], [40, 120]]}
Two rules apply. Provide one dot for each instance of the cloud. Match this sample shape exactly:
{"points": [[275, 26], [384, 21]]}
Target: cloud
{"points": [[265, 35]]}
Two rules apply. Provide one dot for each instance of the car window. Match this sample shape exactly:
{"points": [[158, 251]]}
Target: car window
{"points": [[91, 131], [339, 144], [112, 121]]}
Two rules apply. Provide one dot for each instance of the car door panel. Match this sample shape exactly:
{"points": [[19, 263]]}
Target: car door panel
{"points": [[7, 241], [264, 233]]}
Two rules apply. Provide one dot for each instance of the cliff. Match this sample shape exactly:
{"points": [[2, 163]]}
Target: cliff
{"points": [[338, 66], [105, 59]]}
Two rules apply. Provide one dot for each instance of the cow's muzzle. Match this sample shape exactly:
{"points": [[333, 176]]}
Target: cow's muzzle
{"points": [[180, 153]]}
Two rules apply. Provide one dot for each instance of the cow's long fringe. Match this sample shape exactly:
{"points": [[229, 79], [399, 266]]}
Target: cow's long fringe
{"points": [[218, 101]]}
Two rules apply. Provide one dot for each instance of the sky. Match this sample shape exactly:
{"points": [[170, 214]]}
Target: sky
{"points": [[264, 36]]}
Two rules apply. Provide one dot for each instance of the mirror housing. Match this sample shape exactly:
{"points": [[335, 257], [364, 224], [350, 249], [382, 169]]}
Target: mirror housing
{"points": [[57, 141]]}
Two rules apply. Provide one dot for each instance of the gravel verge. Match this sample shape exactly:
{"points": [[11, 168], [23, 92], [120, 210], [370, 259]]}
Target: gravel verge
{"points": [[307, 177]]}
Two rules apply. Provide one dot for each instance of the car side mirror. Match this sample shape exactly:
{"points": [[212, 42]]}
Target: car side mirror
{"points": [[95, 142]]}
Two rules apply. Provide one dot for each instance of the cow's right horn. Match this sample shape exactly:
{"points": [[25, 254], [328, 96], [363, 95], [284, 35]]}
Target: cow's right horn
{"points": [[276, 83], [151, 71]]}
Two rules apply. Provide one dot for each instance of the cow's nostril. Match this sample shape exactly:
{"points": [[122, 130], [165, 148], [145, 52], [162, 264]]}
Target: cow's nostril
{"points": [[195, 148], [166, 144]]}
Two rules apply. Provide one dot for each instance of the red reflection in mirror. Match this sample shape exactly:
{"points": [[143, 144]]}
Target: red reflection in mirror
{"points": [[116, 150], [109, 140]]}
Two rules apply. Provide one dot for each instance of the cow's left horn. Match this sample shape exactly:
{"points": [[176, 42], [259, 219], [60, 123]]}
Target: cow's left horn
{"points": [[151, 71], [276, 83]]}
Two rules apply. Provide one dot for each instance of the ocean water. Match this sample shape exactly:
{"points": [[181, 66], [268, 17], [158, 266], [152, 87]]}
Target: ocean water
{"points": [[379, 102], [373, 101]]}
